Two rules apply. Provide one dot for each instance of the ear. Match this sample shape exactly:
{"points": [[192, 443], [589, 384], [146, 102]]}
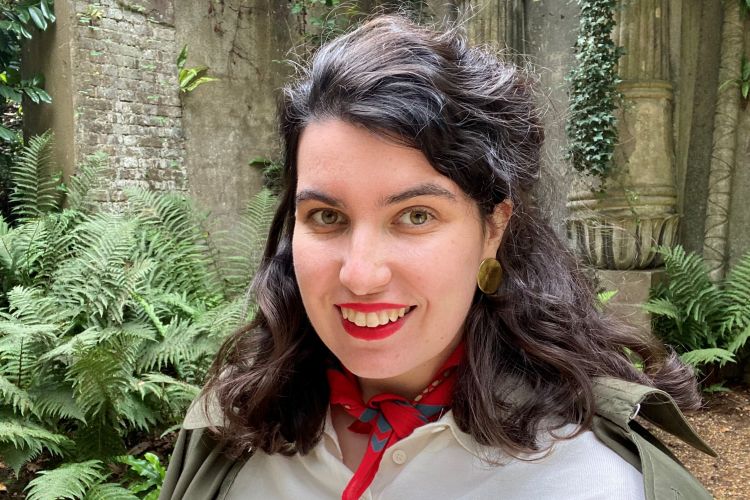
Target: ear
{"points": [[496, 226]]}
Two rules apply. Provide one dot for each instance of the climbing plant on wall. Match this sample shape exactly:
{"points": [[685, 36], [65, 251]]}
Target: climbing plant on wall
{"points": [[592, 127]]}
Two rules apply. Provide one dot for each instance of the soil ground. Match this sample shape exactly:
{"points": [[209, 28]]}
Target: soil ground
{"points": [[724, 423]]}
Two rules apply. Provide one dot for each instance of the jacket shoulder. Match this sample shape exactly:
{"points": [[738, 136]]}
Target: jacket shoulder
{"points": [[200, 467], [618, 403]]}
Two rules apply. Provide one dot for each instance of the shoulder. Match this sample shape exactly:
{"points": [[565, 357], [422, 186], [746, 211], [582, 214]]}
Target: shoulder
{"points": [[584, 467]]}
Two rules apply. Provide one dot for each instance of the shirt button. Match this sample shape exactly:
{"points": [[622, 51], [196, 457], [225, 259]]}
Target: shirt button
{"points": [[399, 457]]}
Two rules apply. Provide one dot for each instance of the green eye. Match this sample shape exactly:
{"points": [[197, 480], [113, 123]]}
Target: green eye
{"points": [[415, 217], [326, 217]]}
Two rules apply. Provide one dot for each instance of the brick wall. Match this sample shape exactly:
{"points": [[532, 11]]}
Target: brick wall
{"points": [[126, 93]]}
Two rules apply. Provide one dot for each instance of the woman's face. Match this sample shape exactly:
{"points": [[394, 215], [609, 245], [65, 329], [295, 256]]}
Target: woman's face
{"points": [[386, 252]]}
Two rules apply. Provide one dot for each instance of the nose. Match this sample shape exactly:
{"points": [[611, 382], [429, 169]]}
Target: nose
{"points": [[365, 269]]}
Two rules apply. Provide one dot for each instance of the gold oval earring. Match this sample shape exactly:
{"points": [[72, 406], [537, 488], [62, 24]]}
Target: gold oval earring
{"points": [[489, 275]]}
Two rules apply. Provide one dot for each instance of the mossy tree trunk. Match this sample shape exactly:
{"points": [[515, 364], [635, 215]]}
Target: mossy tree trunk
{"points": [[724, 151]]}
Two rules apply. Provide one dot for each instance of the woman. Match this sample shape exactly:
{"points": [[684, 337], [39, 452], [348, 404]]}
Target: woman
{"points": [[421, 332]]}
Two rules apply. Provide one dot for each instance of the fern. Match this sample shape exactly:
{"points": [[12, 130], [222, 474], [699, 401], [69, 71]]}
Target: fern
{"points": [[698, 357], [22, 441], [707, 322], [247, 244], [84, 182], [17, 398], [108, 322], [70, 480], [36, 190], [109, 491]]}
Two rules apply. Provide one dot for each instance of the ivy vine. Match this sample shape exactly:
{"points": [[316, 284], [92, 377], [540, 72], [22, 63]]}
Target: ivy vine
{"points": [[592, 126]]}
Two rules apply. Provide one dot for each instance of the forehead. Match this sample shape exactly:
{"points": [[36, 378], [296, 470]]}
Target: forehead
{"points": [[335, 154]]}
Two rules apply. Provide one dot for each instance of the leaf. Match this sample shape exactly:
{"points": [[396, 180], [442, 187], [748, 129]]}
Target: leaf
{"points": [[200, 81], [182, 57], [38, 17], [70, 481], [702, 356], [7, 134], [44, 7], [109, 491]]}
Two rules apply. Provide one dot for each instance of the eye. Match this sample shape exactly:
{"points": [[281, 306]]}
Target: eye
{"points": [[326, 217], [415, 217]]}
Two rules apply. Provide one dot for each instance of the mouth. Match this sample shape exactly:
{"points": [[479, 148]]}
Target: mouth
{"points": [[373, 322]]}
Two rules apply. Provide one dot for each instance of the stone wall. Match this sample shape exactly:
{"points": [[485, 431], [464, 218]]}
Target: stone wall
{"points": [[123, 92]]}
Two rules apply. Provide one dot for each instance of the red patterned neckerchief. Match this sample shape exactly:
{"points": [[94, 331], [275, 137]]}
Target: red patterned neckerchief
{"points": [[388, 418]]}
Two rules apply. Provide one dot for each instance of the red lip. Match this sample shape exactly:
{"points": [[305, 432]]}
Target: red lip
{"points": [[376, 333], [372, 307]]}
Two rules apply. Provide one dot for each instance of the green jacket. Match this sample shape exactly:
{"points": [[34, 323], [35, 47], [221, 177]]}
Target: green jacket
{"points": [[199, 470]]}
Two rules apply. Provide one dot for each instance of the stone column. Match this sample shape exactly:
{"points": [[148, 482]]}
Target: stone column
{"points": [[495, 22], [622, 229]]}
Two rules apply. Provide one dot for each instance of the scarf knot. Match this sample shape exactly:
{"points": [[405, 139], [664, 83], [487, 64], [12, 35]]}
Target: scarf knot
{"points": [[388, 418]]}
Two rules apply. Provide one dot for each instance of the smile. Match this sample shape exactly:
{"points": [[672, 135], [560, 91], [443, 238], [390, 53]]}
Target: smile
{"points": [[373, 321]]}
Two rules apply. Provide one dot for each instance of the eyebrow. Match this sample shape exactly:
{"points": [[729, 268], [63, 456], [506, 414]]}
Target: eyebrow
{"points": [[426, 189], [312, 194]]}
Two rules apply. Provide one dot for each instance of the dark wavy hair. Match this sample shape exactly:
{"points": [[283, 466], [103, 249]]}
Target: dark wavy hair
{"points": [[473, 117]]}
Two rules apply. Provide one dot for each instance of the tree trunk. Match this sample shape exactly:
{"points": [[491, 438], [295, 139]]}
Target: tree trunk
{"points": [[724, 150]]}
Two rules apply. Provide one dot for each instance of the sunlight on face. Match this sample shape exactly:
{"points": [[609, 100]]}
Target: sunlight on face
{"points": [[385, 252]]}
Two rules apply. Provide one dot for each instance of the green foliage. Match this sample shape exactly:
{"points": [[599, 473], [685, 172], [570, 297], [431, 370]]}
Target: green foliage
{"points": [[67, 481], [592, 127], [321, 20], [743, 82], [150, 473], [18, 19], [108, 322], [706, 322], [35, 191], [191, 78]]}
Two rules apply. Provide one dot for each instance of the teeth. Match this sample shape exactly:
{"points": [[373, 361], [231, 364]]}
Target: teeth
{"points": [[360, 319], [373, 319]]}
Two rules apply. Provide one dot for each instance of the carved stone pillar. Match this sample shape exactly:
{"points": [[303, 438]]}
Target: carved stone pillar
{"points": [[622, 229], [497, 22]]}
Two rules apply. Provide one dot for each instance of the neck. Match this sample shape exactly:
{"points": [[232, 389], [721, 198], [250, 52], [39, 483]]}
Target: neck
{"points": [[410, 384]]}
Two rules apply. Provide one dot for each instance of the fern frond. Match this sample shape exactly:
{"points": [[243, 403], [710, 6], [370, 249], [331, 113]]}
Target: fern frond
{"points": [[699, 357], [132, 409], [173, 234], [15, 458], [70, 480], [176, 347], [109, 491], [53, 400], [247, 244], [32, 306], [662, 307], [739, 340], [737, 292], [175, 392], [102, 375], [29, 436], [88, 177], [102, 277], [12, 395], [36, 190], [101, 437]]}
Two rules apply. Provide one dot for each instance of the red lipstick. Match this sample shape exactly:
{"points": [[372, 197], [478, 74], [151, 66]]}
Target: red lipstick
{"points": [[372, 307], [377, 332]]}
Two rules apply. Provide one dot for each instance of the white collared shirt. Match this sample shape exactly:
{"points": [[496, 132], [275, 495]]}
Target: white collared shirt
{"points": [[439, 461]]}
